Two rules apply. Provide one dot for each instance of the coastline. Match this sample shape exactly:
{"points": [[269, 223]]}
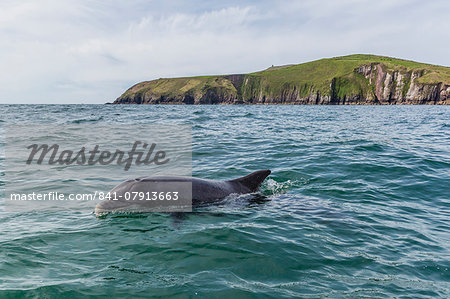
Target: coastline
{"points": [[348, 80]]}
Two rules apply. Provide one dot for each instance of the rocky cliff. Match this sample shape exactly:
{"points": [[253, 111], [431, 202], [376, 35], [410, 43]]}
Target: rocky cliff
{"points": [[355, 79]]}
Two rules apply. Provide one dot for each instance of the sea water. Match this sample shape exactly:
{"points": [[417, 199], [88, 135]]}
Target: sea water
{"points": [[357, 205]]}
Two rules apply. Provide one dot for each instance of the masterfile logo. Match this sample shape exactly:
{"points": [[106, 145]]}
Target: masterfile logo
{"points": [[146, 155], [76, 165]]}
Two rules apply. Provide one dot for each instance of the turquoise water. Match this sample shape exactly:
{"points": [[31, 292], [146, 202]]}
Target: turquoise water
{"points": [[357, 205]]}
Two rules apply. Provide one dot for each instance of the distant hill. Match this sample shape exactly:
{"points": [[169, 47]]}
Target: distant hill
{"points": [[353, 79]]}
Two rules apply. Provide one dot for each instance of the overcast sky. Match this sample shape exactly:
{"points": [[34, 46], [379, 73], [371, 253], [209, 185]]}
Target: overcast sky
{"points": [[90, 51]]}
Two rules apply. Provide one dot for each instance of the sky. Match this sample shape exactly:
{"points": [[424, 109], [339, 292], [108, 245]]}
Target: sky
{"points": [[91, 51]]}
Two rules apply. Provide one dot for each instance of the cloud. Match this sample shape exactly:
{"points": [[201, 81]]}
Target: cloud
{"points": [[61, 51]]}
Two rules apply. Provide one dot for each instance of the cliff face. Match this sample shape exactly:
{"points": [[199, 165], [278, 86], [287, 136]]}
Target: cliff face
{"points": [[343, 80], [397, 87]]}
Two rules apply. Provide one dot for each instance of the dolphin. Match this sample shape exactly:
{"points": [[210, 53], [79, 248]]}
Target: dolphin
{"points": [[192, 190]]}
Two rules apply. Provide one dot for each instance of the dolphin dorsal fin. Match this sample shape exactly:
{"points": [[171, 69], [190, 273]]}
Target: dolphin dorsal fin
{"points": [[253, 180]]}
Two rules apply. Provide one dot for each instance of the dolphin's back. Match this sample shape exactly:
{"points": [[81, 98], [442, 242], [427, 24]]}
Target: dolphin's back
{"points": [[204, 190], [201, 190]]}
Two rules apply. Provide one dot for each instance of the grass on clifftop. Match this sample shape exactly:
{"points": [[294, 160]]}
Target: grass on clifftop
{"points": [[177, 87], [319, 73]]}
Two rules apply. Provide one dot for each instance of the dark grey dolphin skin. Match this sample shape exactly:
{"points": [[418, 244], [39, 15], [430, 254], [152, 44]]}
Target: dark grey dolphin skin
{"points": [[202, 190]]}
